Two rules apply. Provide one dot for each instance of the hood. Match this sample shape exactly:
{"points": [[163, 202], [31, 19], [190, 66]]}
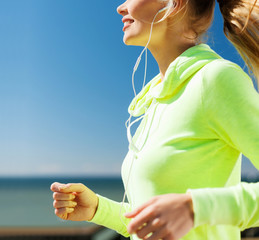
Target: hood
{"points": [[179, 71]]}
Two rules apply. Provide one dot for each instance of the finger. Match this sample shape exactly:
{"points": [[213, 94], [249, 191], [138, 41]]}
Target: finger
{"points": [[147, 215], [55, 186], [150, 227], [137, 210], [72, 187], [63, 212], [157, 235], [63, 196], [68, 188], [64, 204]]}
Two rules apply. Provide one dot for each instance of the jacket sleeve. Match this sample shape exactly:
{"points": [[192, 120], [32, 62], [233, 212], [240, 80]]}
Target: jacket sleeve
{"points": [[110, 214], [232, 107], [237, 205]]}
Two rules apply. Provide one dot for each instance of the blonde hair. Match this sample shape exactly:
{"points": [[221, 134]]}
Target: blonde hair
{"points": [[241, 25]]}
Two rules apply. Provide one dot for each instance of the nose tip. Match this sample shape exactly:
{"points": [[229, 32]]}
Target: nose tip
{"points": [[121, 9], [118, 9]]}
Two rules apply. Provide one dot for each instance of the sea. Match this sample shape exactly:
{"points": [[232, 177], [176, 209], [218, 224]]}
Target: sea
{"points": [[28, 202]]}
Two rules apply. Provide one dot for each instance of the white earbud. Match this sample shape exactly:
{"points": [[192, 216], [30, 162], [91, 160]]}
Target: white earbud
{"points": [[163, 9], [172, 4]]}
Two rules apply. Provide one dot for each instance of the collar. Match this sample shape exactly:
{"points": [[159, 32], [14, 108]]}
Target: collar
{"points": [[179, 71]]}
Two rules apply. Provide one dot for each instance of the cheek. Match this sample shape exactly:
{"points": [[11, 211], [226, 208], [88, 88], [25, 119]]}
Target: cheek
{"points": [[144, 10]]}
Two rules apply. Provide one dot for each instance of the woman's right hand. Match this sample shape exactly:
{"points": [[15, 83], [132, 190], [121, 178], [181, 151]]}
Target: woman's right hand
{"points": [[74, 201]]}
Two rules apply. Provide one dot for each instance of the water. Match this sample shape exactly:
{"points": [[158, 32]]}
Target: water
{"points": [[27, 202]]}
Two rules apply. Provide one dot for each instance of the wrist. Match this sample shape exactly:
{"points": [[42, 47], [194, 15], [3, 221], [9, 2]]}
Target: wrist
{"points": [[95, 207]]}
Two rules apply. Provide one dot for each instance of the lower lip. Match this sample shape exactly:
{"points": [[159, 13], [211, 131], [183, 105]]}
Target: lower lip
{"points": [[126, 26]]}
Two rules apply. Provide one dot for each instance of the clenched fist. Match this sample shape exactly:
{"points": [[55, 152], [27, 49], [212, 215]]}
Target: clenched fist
{"points": [[74, 201]]}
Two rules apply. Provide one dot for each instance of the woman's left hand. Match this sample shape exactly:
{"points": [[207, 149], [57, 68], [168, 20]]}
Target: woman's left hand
{"points": [[167, 217]]}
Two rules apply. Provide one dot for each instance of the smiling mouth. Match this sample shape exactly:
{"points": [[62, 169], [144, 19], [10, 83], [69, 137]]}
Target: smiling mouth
{"points": [[127, 24]]}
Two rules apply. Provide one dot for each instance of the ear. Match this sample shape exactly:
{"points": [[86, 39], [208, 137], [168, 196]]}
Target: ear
{"points": [[177, 6]]}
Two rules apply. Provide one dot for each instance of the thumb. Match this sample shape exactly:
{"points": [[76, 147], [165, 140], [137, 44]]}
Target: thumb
{"points": [[130, 214], [72, 187], [139, 209]]}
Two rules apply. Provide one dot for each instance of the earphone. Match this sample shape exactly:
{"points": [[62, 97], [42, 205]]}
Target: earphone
{"points": [[132, 147], [145, 48], [163, 9]]}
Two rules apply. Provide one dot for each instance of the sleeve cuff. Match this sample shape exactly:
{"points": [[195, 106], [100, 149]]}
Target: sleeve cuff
{"points": [[237, 205], [110, 214], [201, 206]]}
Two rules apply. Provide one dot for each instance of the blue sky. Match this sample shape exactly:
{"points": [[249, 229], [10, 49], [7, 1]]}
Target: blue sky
{"points": [[65, 85]]}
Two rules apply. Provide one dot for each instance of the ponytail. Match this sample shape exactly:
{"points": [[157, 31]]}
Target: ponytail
{"points": [[241, 27]]}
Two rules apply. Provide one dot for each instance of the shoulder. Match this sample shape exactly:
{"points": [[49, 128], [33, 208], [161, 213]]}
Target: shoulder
{"points": [[224, 75]]}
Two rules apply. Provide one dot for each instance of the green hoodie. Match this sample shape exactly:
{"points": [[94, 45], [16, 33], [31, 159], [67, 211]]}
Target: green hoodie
{"points": [[196, 124]]}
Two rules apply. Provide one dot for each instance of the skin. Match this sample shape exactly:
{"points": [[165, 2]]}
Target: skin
{"points": [[170, 216], [167, 217], [74, 201], [168, 37]]}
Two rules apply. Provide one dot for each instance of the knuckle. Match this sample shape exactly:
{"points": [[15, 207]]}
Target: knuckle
{"points": [[55, 204], [157, 222], [142, 232], [55, 194], [58, 212], [61, 214], [140, 235]]}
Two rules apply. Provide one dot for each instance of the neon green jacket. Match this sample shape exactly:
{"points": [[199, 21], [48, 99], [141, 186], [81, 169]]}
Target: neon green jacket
{"points": [[198, 121]]}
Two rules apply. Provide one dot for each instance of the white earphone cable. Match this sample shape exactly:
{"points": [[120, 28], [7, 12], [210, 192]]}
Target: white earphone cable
{"points": [[132, 147], [128, 124]]}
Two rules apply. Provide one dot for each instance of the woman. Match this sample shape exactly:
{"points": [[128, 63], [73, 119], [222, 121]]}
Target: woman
{"points": [[182, 172]]}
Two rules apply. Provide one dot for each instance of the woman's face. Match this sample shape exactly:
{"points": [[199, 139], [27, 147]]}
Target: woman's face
{"points": [[137, 18]]}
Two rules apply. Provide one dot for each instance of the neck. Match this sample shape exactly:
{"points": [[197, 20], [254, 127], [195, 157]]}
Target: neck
{"points": [[167, 54], [171, 44]]}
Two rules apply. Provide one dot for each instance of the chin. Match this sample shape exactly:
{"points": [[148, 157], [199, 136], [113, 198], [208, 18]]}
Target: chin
{"points": [[131, 41], [127, 40]]}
